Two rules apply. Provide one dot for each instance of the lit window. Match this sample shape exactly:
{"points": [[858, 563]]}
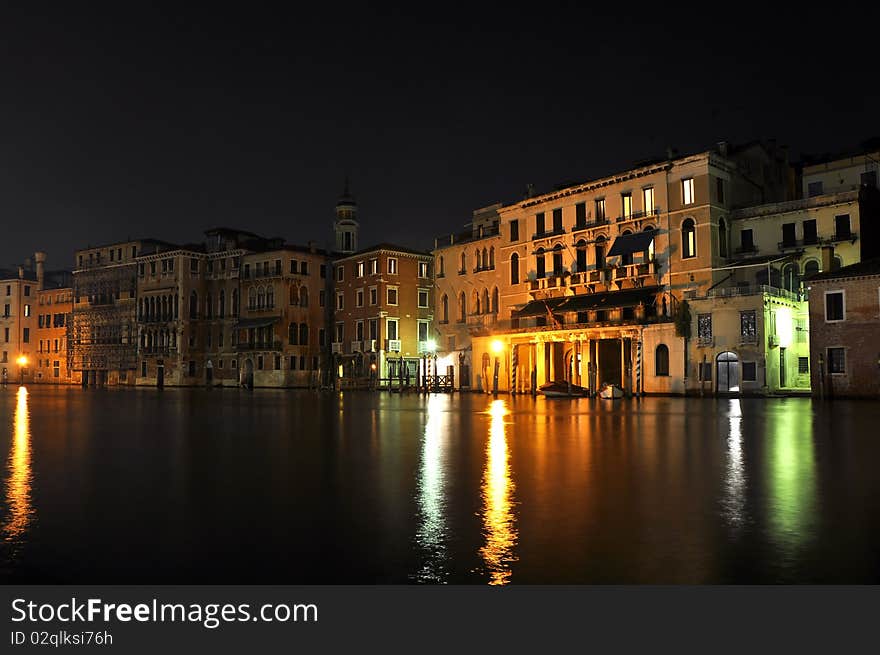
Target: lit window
{"points": [[392, 265], [423, 269], [648, 200], [687, 191], [688, 239]]}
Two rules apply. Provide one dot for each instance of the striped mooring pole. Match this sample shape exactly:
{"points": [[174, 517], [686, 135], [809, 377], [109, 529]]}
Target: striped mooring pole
{"points": [[513, 370], [639, 367]]}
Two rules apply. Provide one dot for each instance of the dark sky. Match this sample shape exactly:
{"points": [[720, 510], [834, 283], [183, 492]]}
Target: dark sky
{"points": [[163, 124]]}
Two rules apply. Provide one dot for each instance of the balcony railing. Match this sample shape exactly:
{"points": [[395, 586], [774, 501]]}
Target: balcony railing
{"points": [[392, 345], [336, 347], [746, 249], [842, 236], [356, 346], [791, 244], [588, 224], [548, 233], [748, 290]]}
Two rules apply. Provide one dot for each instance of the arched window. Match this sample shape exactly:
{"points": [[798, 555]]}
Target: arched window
{"points": [[557, 259], [485, 258], [294, 295], [209, 306], [492, 257], [485, 301], [463, 267], [540, 264], [193, 305], [176, 306], [270, 296], [836, 263], [600, 252], [152, 309], [581, 256], [514, 269], [791, 279], [441, 266], [261, 297], [722, 238], [222, 306], [626, 259], [303, 334], [661, 360], [234, 302], [495, 300], [164, 308], [303, 297], [445, 308], [475, 301], [462, 307], [688, 239], [292, 333], [252, 298], [811, 267]]}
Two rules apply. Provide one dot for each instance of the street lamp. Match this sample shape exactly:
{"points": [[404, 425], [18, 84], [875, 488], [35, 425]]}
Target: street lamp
{"points": [[497, 347], [22, 362]]}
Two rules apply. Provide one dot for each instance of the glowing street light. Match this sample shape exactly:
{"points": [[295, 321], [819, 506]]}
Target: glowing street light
{"points": [[22, 362], [497, 347]]}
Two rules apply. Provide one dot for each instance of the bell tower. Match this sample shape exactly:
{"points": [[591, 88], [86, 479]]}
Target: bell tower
{"points": [[346, 225]]}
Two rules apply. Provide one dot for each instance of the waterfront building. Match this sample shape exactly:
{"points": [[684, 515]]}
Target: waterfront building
{"points": [[103, 337], [54, 312], [382, 314], [282, 337], [844, 324], [591, 276], [18, 322], [467, 291], [189, 302]]}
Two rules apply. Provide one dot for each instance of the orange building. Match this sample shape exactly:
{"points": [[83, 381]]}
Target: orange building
{"points": [[382, 304]]}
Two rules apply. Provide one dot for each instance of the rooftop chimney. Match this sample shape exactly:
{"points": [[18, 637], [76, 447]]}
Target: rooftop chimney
{"points": [[40, 258], [21, 272], [722, 148], [312, 247]]}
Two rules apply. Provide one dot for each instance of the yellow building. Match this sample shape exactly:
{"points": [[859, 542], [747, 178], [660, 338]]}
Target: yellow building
{"points": [[591, 276]]}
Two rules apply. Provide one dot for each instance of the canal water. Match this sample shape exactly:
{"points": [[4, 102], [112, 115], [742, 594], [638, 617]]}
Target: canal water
{"points": [[287, 487]]}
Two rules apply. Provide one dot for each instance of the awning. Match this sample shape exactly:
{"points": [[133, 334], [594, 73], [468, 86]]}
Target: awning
{"points": [[539, 307], [626, 244], [610, 299], [247, 323]]}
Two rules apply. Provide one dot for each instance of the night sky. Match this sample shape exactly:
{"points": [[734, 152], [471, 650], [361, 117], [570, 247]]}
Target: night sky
{"points": [[163, 124]]}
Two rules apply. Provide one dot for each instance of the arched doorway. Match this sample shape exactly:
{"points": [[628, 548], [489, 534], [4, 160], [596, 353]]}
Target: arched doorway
{"points": [[727, 365], [248, 376]]}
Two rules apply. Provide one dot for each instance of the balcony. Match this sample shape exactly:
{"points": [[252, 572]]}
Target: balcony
{"points": [[356, 346], [842, 236], [392, 345], [336, 347], [258, 345], [587, 225], [746, 249], [370, 345], [548, 233], [600, 275], [791, 244]]}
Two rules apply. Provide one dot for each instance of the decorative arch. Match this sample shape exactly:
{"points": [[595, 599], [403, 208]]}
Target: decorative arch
{"points": [[492, 257], [193, 305], [485, 304], [303, 297], [540, 263], [514, 268], [303, 334], [475, 301], [444, 308], [495, 300], [462, 307], [294, 295]]}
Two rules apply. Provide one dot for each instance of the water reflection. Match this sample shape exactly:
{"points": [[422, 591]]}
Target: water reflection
{"points": [[499, 520], [432, 532], [734, 499], [792, 477], [18, 484]]}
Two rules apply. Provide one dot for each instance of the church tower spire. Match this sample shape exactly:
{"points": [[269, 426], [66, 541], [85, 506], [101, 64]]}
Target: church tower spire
{"points": [[346, 224]]}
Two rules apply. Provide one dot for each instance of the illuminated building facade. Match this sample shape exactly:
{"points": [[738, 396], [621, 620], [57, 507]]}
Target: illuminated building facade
{"points": [[382, 314], [592, 276], [54, 313], [18, 321]]}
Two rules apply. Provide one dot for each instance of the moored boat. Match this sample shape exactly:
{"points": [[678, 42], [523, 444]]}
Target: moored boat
{"points": [[562, 389], [610, 392]]}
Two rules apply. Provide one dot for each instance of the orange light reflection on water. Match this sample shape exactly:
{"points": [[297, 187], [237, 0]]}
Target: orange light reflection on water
{"points": [[499, 520], [18, 483]]}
